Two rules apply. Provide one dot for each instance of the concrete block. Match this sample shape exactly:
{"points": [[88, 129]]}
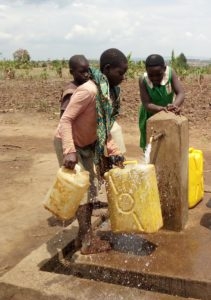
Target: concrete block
{"points": [[170, 155]]}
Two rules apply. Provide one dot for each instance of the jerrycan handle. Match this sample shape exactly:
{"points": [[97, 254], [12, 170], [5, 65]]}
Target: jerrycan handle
{"points": [[77, 168], [130, 162]]}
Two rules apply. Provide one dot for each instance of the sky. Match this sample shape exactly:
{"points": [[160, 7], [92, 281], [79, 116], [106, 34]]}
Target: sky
{"points": [[50, 29]]}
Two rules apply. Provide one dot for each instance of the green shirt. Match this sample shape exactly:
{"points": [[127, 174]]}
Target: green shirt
{"points": [[160, 95]]}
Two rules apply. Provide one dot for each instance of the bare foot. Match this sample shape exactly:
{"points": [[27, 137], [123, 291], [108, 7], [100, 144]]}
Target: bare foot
{"points": [[93, 245]]}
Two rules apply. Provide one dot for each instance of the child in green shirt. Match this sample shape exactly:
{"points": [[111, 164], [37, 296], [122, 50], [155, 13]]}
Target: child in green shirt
{"points": [[160, 90]]}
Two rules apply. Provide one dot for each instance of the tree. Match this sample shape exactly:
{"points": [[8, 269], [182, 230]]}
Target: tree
{"points": [[182, 61], [57, 66], [179, 64], [172, 57], [21, 56]]}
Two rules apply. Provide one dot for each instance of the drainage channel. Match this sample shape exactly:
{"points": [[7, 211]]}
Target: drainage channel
{"points": [[123, 266]]}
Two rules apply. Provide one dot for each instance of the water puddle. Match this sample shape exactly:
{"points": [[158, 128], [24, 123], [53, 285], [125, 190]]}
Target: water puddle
{"points": [[129, 243], [209, 203], [206, 220]]}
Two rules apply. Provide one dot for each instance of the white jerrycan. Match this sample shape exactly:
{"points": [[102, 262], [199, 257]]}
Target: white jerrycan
{"points": [[117, 136]]}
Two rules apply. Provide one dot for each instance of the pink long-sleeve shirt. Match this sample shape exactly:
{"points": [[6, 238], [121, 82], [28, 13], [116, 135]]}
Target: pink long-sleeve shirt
{"points": [[77, 127]]}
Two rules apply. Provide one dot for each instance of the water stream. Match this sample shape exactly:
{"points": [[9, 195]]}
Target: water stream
{"points": [[147, 153]]}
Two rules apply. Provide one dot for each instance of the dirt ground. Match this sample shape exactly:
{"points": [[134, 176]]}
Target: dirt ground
{"points": [[28, 118]]}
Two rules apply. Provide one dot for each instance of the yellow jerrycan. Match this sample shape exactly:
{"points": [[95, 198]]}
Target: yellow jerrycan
{"points": [[133, 199], [196, 178], [69, 188]]}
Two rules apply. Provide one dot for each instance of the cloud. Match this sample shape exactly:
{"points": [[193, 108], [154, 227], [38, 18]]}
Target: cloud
{"points": [[188, 34], [80, 31], [202, 37], [57, 29], [5, 36]]}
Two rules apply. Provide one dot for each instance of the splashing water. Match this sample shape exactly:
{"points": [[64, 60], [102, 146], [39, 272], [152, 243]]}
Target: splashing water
{"points": [[147, 153]]}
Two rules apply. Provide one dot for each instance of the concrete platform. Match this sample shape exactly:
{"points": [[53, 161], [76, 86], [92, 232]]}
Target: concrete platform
{"points": [[166, 264]]}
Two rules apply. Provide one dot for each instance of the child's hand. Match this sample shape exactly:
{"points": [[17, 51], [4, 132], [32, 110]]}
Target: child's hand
{"points": [[117, 160], [173, 108], [70, 160], [162, 108]]}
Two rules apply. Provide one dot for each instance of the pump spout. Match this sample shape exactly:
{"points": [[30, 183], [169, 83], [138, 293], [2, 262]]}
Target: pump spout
{"points": [[157, 136]]}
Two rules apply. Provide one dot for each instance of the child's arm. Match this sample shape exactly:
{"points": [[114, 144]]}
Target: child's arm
{"points": [[112, 156], [112, 148], [79, 101], [146, 100], [179, 92]]}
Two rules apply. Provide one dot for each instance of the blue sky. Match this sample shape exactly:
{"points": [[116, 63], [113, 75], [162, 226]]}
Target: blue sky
{"points": [[58, 29]]}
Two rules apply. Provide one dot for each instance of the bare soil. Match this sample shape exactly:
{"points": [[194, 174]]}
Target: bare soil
{"points": [[29, 114]]}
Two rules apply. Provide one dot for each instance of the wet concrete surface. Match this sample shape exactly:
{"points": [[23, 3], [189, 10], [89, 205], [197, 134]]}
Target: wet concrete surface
{"points": [[28, 280], [176, 263], [162, 265]]}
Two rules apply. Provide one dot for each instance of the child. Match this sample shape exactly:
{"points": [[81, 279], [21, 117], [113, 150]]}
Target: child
{"points": [[160, 89], [83, 134], [79, 69]]}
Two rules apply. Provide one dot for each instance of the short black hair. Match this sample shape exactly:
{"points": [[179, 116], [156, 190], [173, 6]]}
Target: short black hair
{"points": [[113, 57], [154, 60], [77, 59]]}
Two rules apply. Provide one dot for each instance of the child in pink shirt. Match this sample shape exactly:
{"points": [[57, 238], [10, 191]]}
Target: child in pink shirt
{"points": [[84, 134]]}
